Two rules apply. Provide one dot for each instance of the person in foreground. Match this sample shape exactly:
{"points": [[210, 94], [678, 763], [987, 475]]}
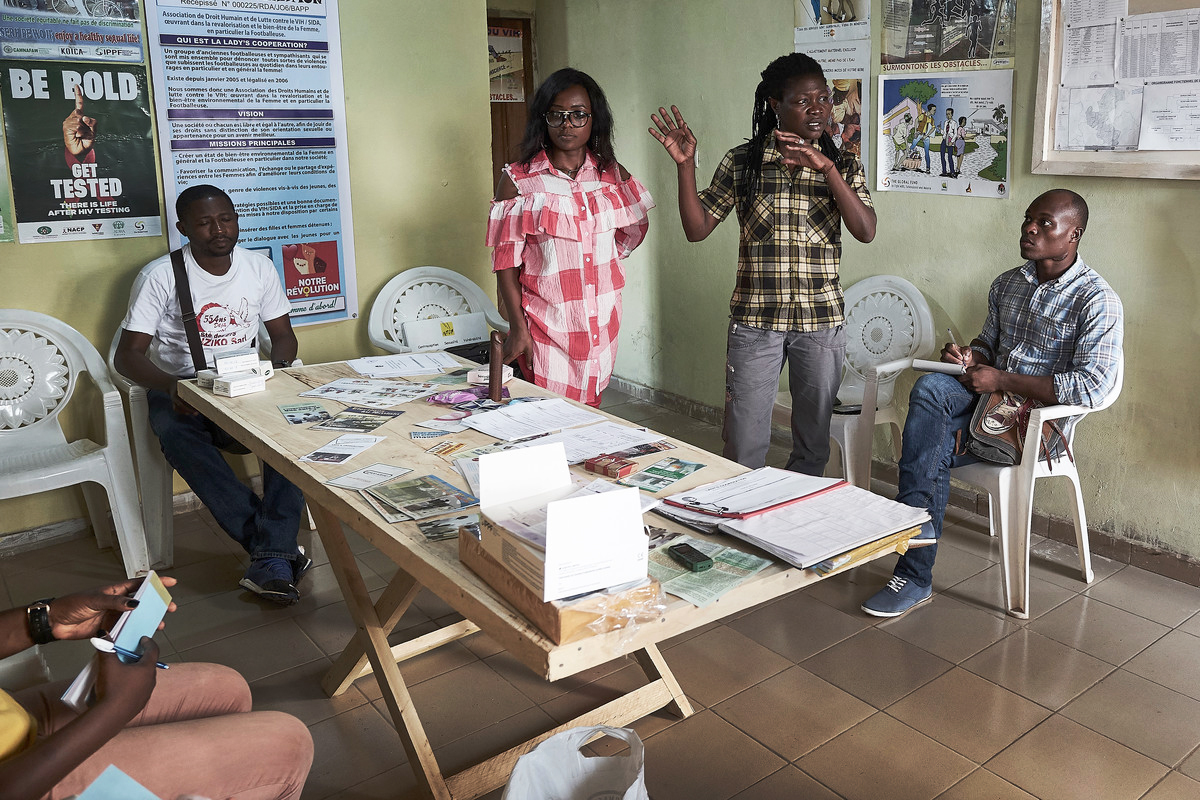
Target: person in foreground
{"points": [[232, 290], [792, 190], [565, 215], [184, 730], [1053, 333]]}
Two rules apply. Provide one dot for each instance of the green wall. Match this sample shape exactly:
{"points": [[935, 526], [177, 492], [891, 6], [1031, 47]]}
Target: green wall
{"points": [[420, 174], [416, 96], [1139, 458]]}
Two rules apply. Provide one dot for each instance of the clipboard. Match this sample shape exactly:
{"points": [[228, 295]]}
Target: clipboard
{"points": [[761, 490]]}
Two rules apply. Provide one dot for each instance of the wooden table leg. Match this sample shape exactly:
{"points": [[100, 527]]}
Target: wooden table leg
{"points": [[656, 669], [372, 637]]}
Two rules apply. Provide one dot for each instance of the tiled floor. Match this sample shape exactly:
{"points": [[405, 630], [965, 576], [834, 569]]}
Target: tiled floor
{"points": [[1097, 696]]}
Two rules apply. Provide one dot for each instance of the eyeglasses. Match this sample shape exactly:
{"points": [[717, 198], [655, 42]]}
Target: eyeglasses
{"points": [[556, 119]]}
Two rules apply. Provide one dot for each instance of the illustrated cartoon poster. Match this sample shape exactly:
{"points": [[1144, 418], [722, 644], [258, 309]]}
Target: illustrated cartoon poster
{"points": [[945, 133], [80, 150], [506, 68], [920, 35], [250, 100], [847, 67]]}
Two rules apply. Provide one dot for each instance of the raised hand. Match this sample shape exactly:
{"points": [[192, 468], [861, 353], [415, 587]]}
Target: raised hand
{"points": [[79, 132], [797, 152], [674, 134]]}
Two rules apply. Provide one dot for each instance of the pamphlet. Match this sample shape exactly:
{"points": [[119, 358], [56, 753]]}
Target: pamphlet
{"points": [[437, 530], [303, 413], [373, 393], [730, 569], [661, 474], [368, 476], [358, 420], [426, 496], [342, 448]]}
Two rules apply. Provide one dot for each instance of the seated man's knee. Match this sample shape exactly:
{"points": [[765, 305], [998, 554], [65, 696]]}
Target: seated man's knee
{"points": [[933, 388]]}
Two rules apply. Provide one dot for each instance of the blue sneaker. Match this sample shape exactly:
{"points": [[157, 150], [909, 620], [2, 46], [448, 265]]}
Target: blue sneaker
{"points": [[271, 579], [300, 566], [898, 596]]}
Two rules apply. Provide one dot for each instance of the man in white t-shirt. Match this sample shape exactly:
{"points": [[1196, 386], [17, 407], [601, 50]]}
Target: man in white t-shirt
{"points": [[232, 289]]}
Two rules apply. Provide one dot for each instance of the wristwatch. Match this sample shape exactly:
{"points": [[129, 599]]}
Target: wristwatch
{"points": [[38, 618]]}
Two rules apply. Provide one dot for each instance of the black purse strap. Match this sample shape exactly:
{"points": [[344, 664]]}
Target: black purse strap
{"points": [[183, 291]]}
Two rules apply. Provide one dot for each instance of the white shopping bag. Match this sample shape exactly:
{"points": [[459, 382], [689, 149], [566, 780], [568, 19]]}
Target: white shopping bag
{"points": [[556, 770]]}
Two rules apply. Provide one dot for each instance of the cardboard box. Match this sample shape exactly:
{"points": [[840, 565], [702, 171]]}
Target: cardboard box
{"points": [[239, 384], [564, 621], [610, 466], [205, 378], [236, 361], [575, 545]]}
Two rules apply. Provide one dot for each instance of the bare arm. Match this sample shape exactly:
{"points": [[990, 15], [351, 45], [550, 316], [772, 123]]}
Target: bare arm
{"points": [[283, 339], [518, 342], [132, 362], [677, 138]]}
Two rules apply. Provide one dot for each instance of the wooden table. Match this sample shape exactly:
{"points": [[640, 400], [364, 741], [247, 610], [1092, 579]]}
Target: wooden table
{"points": [[255, 420]]}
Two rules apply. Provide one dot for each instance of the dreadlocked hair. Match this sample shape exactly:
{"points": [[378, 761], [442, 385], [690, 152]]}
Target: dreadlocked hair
{"points": [[537, 134], [763, 122]]}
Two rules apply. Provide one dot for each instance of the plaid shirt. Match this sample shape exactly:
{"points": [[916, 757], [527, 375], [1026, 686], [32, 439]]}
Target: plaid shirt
{"points": [[569, 237], [1070, 327], [791, 241]]}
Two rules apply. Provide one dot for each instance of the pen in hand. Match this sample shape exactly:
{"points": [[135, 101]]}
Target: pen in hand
{"points": [[961, 358], [121, 651]]}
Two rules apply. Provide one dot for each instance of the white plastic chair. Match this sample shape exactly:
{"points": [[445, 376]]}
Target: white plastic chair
{"points": [[41, 359], [425, 293], [886, 318], [1010, 491], [154, 472]]}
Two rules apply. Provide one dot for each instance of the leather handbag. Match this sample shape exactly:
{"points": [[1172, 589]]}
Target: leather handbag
{"points": [[998, 427]]}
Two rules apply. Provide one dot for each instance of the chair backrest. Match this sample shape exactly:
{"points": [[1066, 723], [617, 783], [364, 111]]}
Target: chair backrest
{"points": [[425, 293], [40, 361], [887, 318], [1108, 400]]}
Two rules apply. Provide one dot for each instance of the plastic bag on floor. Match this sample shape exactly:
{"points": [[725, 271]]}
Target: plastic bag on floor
{"points": [[557, 770]]}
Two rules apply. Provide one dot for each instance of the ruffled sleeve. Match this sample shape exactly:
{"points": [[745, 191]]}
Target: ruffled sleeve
{"points": [[631, 217]]}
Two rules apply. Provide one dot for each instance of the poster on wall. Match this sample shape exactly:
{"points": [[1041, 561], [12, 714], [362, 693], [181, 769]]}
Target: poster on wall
{"points": [[251, 101], [945, 133], [7, 232], [72, 30], [506, 64], [80, 150], [832, 20], [847, 67], [920, 35]]}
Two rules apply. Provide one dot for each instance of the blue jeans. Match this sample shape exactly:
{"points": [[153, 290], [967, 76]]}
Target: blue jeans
{"points": [[935, 434], [753, 361], [265, 528], [947, 157]]}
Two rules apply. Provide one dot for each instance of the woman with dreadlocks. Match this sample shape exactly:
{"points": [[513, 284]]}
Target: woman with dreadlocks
{"points": [[565, 215], [792, 190]]}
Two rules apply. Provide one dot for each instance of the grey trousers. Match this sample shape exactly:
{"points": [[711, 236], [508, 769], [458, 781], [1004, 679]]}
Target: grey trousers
{"points": [[754, 359]]}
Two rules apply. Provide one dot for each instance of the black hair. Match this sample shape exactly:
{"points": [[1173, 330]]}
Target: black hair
{"points": [[537, 135], [201, 191], [763, 122]]}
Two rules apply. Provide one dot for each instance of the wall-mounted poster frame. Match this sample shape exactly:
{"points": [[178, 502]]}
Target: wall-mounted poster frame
{"points": [[1173, 164]]}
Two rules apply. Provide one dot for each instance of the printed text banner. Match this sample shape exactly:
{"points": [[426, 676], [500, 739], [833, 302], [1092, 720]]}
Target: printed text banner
{"points": [[251, 101]]}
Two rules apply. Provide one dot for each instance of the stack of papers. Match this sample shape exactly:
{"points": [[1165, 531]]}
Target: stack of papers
{"points": [[803, 532], [525, 420], [404, 365]]}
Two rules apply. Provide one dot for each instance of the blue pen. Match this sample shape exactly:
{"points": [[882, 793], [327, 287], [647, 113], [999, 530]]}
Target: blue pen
{"points": [[136, 656]]}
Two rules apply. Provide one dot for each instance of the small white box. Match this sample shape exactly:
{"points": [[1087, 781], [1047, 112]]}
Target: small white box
{"points": [[205, 378], [591, 542], [238, 384], [481, 376], [236, 361]]}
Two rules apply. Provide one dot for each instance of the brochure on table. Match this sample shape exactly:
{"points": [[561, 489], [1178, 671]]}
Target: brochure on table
{"points": [[589, 542]]}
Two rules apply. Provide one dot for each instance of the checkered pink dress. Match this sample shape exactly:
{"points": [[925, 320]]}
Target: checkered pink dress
{"points": [[569, 237]]}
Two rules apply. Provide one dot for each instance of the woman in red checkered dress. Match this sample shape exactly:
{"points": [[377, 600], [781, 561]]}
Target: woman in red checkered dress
{"points": [[565, 215]]}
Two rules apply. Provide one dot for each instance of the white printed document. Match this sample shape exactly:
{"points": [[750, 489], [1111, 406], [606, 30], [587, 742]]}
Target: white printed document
{"points": [[523, 420]]}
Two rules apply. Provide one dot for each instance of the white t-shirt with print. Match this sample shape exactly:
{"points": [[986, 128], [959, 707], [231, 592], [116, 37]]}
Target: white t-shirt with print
{"points": [[228, 307]]}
